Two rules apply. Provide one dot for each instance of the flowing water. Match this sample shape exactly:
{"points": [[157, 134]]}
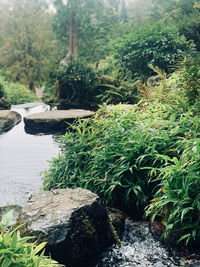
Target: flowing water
{"points": [[22, 157], [141, 248]]}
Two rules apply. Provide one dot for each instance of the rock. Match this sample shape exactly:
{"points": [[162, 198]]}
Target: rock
{"points": [[118, 220], [4, 104], [8, 119], [121, 107], [54, 119], [73, 222], [157, 228]]}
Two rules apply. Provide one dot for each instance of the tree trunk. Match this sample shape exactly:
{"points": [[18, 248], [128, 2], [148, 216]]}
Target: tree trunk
{"points": [[73, 38], [31, 85]]}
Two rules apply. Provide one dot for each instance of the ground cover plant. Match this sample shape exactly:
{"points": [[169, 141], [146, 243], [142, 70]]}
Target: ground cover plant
{"points": [[17, 251]]}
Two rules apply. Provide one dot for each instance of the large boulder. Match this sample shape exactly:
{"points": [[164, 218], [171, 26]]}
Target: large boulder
{"points": [[4, 104], [54, 119], [8, 119], [73, 222]]}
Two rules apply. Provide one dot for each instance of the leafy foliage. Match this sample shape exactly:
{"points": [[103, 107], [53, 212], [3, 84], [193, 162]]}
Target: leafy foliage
{"points": [[106, 154], [177, 201], [16, 93], [17, 251], [27, 41], [190, 81], [129, 158], [76, 81], [96, 21], [184, 14], [124, 92], [157, 45]]}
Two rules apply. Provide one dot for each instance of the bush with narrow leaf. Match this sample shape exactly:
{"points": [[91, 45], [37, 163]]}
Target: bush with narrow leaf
{"points": [[106, 154], [177, 201], [115, 154], [17, 251]]}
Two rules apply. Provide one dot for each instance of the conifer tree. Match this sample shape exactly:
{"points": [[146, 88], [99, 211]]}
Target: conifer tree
{"points": [[27, 41], [83, 27]]}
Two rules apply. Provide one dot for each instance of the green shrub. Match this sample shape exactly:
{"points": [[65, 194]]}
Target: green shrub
{"points": [[177, 201], [17, 93], [158, 45], [106, 154], [16, 251], [125, 92], [76, 81], [79, 84], [190, 82]]}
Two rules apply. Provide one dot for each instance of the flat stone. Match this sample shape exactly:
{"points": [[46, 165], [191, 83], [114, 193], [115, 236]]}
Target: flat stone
{"points": [[8, 119], [54, 119], [73, 222]]}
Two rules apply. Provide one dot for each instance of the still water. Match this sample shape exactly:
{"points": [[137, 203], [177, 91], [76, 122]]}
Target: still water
{"points": [[22, 157]]}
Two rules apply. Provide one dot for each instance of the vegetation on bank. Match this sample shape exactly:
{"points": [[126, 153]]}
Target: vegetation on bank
{"points": [[15, 93], [19, 251], [144, 158]]}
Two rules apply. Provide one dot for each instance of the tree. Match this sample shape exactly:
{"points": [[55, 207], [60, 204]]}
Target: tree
{"points": [[83, 27], [28, 42], [124, 15], [185, 14]]}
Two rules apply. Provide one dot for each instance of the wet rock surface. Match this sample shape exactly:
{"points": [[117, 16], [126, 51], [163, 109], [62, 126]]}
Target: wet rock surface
{"points": [[73, 222], [4, 104], [8, 119], [54, 119], [141, 248]]}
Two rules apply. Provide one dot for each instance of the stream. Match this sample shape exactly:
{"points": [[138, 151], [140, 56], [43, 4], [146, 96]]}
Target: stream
{"points": [[22, 157]]}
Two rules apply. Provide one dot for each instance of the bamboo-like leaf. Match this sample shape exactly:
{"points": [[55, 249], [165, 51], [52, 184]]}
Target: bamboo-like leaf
{"points": [[39, 247]]}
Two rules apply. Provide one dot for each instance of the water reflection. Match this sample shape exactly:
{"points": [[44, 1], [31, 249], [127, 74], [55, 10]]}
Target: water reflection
{"points": [[23, 157]]}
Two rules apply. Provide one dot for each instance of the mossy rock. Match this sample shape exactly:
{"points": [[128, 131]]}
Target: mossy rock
{"points": [[73, 222]]}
